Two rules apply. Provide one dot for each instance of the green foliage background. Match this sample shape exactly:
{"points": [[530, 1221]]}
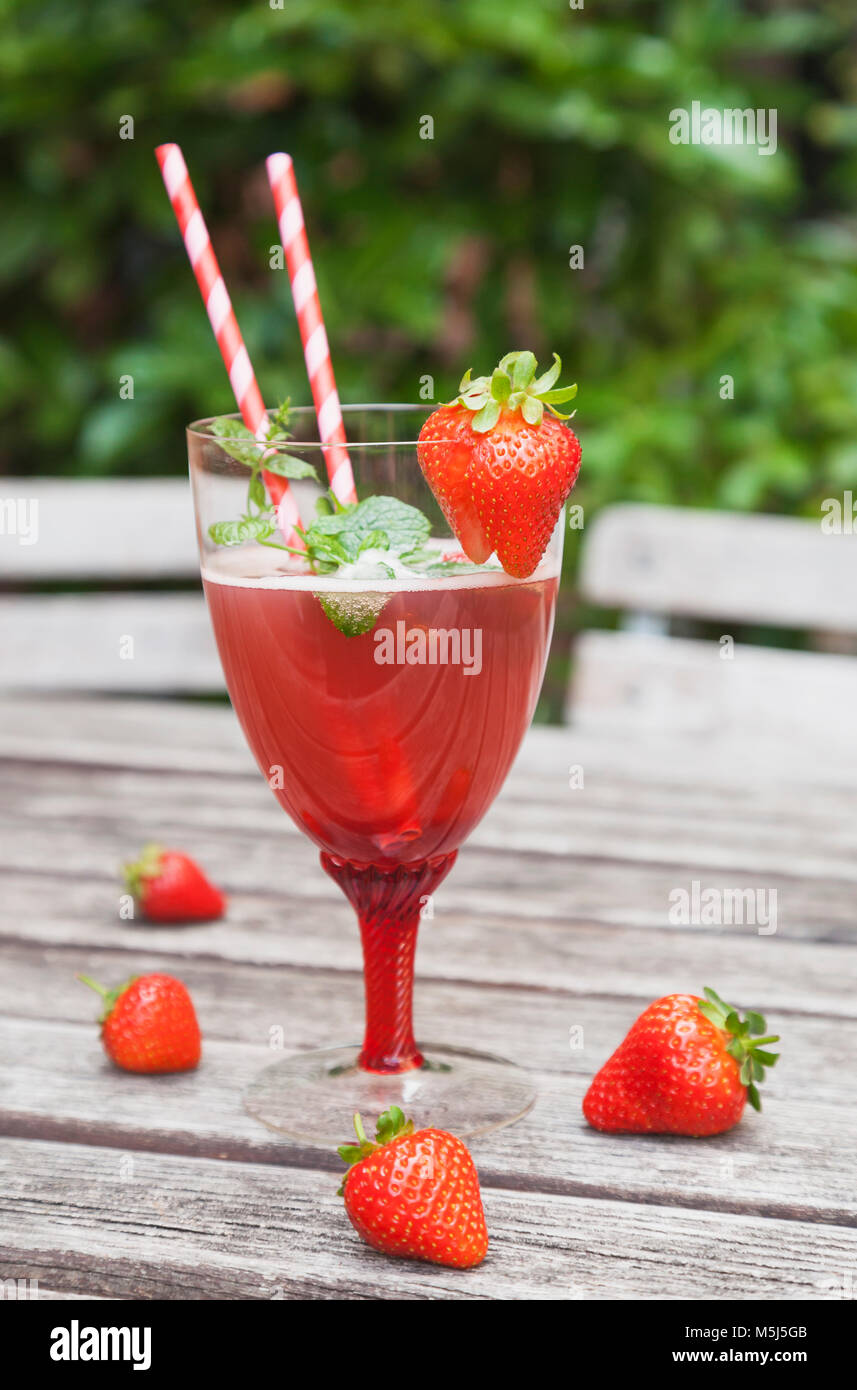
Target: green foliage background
{"points": [[550, 129]]}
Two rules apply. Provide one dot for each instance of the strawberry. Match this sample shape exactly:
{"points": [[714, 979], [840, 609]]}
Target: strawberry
{"points": [[170, 887], [149, 1024], [499, 466], [414, 1193], [445, 462], [686, 1067]]}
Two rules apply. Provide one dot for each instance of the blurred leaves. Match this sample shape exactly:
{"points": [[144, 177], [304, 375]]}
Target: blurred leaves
{"points": [[550, 130]]}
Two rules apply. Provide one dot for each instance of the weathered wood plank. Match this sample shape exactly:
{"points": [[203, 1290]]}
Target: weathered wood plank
{"points": [[769, 569], [124, 642], [278, 884], [39, 1294], [103, 731], [510, 991], [177, 1228], [154, 735], [93, 528], [772, 1163], [539, 814], [248, 1004], [653, 841], [308, 924], [802, 702]]}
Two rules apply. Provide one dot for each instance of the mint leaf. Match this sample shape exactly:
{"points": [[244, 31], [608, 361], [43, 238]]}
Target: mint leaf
{"points": [[330, 550], [258, 522], [279, 421], [247, 528], [236, 440], [288, 466], [406, 528], [353, 614], [375, 540], [377, 523], [242, 445]]}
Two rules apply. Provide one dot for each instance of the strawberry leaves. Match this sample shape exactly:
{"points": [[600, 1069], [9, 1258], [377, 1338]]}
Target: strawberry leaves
{"points": [[148, 865], [513, 385], [745, 1045], [109, 997], [391, 1125]]}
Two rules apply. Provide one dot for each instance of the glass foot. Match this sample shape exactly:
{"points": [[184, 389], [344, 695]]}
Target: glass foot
{"points": [[313, 1096]]}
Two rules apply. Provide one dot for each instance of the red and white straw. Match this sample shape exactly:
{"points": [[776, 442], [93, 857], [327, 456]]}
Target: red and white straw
{"points": [[222, 317], [290, 220]]}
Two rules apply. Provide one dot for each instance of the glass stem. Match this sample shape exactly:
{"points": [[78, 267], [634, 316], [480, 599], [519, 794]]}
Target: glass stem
{"points": [[389, 903]]}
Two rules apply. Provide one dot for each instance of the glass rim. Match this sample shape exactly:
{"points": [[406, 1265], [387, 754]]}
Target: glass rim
{"points": [[198, 428]]}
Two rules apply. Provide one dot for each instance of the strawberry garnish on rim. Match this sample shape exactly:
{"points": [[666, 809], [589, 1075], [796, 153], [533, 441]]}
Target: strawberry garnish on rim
{"points": [[501, 461]]}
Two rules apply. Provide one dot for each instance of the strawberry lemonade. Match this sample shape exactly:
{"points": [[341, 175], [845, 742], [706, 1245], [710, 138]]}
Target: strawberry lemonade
{"points": [[388, 745], [383, 691], [384, 656]]}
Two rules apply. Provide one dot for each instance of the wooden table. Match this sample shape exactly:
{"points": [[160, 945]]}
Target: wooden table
{"points": [[555, 918]]}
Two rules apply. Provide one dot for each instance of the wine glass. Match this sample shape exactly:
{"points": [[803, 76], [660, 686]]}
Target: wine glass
{"points": [[384, 707]]}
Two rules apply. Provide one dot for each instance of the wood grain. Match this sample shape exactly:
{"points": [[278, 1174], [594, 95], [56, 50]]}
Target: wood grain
{"points": [[563, 841], [801, 702], [124, 642], [171, 1227], [768, 569], [771, 1164], [102, 528], [555, 918]]}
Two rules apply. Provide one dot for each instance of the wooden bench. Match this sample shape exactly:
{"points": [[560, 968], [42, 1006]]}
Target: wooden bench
{"points": [[658, 564], [114, 537]]}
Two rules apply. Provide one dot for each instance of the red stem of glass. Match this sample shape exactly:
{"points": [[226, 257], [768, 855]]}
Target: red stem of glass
{"points": [[388, 903]]}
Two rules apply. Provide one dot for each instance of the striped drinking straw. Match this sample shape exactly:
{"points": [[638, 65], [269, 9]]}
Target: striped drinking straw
{"points": [[222, 317], [290, 219]]}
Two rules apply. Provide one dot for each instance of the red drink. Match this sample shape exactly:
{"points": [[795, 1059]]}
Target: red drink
{"points": [[386, 748], [384, 702]]}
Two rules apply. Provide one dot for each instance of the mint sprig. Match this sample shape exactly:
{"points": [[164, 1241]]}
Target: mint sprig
{"points": [[337, 536], [340, 535], [377, 523], [258, 521]]}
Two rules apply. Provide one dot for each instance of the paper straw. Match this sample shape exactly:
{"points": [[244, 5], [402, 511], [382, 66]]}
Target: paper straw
{"points": [[290, 219], [218, 306]]}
